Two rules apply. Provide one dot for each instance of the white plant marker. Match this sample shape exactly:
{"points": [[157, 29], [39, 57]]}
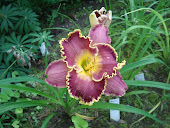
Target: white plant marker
{"points": [[114, 114], [43, 48], [140, 76]]}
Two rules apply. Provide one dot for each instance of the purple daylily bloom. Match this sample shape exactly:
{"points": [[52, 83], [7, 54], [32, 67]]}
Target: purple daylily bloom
{"points": [[89, 67]]}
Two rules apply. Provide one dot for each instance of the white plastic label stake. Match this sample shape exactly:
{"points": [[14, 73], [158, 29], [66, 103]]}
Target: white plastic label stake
{"points": [[43, 48], [114, 114], [140, 76]]}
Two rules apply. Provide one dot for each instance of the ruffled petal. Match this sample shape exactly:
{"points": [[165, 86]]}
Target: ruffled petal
{"points": [[116, 86], [74, 46], [56, 74], [81, 86], [107, 57], [99, 34]]}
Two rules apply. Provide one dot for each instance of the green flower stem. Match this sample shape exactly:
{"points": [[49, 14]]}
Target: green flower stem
{"points": [[8, 68], [110, 5], [45, 56], [45, 59], [105, 4]]}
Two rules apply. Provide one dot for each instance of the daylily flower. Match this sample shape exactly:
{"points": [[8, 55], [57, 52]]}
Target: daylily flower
{"points": [[89, 67]]}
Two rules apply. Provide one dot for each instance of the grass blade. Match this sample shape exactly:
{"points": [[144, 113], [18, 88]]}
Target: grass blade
{"points": [[136, 92], [120, 107], [65, 29], [9, 106], [140, 63], [148, 84], [47, 120]]}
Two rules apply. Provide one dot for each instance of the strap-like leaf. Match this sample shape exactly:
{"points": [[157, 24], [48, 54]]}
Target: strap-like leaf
{"points": [[44, 125], [28, 89], [9, 106], [148, 84], [120, 107]]}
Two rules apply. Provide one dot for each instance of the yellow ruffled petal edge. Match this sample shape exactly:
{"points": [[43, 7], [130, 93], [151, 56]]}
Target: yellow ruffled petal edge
{"points": [[117, 68], [77, 98], [119, 65]]}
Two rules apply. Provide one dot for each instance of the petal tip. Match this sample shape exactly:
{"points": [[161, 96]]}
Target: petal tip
{"points": [[82, 92], [54, 76], [116, 86]]}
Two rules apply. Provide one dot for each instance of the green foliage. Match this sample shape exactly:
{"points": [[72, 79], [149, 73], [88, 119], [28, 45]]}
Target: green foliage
{"points": [[21, 48], [15, 124], [42, 37], [28, 21], [47, 120], [68, 103], [22, 4], [8, 16], [6, 70], [18, 42], [79, 122], [143, 36], [141, 30], [7, 94], [17, 46]]}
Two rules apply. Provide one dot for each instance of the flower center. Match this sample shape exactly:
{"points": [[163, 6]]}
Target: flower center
{"points": [[88, 65], [85, 62]]}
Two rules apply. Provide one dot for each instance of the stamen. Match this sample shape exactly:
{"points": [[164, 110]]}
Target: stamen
{"points": [[89, 65]]}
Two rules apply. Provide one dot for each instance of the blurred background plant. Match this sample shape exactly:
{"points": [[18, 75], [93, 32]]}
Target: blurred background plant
{"points": [[139, 33]]}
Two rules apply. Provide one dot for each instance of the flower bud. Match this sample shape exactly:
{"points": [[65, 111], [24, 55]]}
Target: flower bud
{"points": [[100, 17]]}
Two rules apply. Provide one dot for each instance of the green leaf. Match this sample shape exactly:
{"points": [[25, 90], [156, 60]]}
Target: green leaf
{"points": [[18, 111], [6, 25], [58, 28], [4, 97], [35, 40], [24, 38], [18, 24], [148, 84], [15, 124], [79, 122], [15, 74], [29, 21], [10, 24], [27, 78], [10, 40], [28, 89], [120, 107], [8, 17], [44, 125], [21, 27], [140, 63], [136, 92], [10, 56], [9, 106], [26, 59]]}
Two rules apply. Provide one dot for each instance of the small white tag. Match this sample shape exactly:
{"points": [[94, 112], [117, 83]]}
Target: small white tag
{"points": [[140, 76], [43, 48], [114, 114]]}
